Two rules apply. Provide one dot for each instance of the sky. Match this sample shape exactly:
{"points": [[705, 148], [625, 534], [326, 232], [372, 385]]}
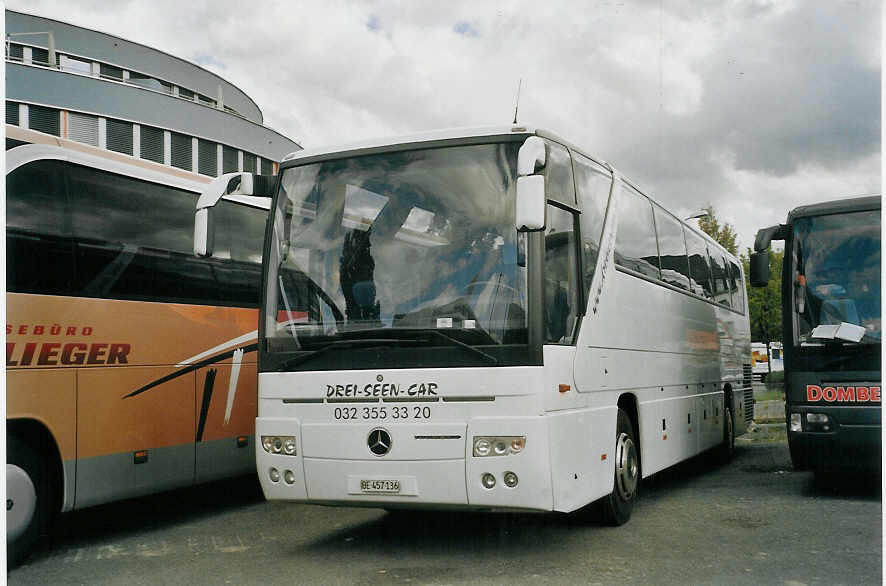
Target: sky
{"points": [[753, 106]]}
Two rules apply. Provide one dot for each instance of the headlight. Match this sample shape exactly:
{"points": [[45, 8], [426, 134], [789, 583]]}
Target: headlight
{"points": [[279, 444], [818, 422], [796, 422], [498, 445]]}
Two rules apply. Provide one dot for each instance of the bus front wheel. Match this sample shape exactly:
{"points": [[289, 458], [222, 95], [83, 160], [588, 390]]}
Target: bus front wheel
{"points": [[26, 499], [616, 508]]}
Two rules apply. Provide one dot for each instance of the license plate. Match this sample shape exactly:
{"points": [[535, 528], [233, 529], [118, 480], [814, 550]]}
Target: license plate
{"points": [[380, 486]]}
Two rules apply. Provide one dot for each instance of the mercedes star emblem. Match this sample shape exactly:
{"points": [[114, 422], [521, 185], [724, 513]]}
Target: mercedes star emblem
{"points": [[379, 441]]}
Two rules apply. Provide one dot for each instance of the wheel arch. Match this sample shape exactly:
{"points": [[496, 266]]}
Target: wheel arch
{"points": [[37, 435], [628, 403]]}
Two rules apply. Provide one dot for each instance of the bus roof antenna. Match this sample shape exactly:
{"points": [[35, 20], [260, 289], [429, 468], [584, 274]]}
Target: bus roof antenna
{"points": [[517, 105]]}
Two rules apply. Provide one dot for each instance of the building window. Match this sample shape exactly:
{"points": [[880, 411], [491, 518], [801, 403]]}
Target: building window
{"points": [[12, 113], [207, 157], [182, 151], [111, 72], [15, 51], [119, 136], [43, 119], [249, 163], [39, 56], [151, 144], [229, 159], [83, 128]]}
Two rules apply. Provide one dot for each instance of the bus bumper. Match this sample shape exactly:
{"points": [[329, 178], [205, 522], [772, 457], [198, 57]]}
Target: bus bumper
{"points": [[852, 446], [429, 464]]}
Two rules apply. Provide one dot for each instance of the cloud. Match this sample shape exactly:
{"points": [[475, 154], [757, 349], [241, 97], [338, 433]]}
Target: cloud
{"points": [[749, 106]]}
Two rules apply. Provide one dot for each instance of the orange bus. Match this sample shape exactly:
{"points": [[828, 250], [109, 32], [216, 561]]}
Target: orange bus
{"points": [[130, 362]]}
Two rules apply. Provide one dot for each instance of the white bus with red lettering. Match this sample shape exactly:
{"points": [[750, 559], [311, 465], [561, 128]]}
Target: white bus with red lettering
{"points": [[495, 320]]}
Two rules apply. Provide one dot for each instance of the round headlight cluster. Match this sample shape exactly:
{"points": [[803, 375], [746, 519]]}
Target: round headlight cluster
{"points": [[498, 445], [284, 444]]}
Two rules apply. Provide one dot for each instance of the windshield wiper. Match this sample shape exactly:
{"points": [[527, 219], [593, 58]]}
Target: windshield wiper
{"points": [[454, 342], [311, 354]]}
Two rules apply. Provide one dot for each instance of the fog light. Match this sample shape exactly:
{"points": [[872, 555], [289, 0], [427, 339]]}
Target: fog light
{"points": [[488, 480], [289, 477], [510, 479], [482, 447], [274, 474], [796, 422]]}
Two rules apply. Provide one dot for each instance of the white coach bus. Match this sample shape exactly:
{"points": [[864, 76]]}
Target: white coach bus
{"points": [[486, 319]]}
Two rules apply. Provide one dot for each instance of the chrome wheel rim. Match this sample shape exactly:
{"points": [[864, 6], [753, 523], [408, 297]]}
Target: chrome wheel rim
{"points": [[627, 467], [21, 502]]}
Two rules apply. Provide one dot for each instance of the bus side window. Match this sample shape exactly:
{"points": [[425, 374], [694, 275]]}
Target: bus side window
{"points": [[560, 277], [737, 286], [39, 248], [672, 249], [593, 184], [721, 279], [699, 268], [636, 247]]}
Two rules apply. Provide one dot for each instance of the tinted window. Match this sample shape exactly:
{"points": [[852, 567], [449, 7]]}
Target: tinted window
{"points": [[561, 282], [737, 286], [118, 237], [672, 249], [38, 244], [593, 186], [635, 246], [699, 269], [558, 174], [720, 277]]}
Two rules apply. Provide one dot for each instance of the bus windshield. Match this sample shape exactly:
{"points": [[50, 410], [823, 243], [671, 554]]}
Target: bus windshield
{"points": [[374, 250], [839, 258]]}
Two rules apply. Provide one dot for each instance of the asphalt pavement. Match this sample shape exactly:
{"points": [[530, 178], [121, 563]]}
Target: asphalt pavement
{"points": [[753, 521]]}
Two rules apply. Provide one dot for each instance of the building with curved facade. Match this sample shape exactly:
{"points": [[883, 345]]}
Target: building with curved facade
{"points": [[98, 89]]}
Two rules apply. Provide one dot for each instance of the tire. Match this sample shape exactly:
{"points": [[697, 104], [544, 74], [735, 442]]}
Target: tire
{"points": [[727, 449], [27, 499], [616, 508]]}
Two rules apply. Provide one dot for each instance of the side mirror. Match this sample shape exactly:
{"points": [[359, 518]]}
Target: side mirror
{"points": [[759, 268], [530, 203], [530, 187], [237, 184]]}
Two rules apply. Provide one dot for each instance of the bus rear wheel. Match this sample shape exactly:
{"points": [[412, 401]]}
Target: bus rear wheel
{"points": [[727, 448], [26, 499], [616, 508]]}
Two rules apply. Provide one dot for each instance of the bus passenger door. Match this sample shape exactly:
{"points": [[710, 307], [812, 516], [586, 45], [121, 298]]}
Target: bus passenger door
{"points": [[226, 407], [133, 438]]}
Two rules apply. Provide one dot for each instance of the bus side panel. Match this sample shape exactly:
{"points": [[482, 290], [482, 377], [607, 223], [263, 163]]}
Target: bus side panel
{"points": [[113, 426], [225, 412], [48, 396], [582, 459]]}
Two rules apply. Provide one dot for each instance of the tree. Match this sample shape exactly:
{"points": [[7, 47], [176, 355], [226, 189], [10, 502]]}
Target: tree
{"points": [[764, 303], [723, 233]]}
